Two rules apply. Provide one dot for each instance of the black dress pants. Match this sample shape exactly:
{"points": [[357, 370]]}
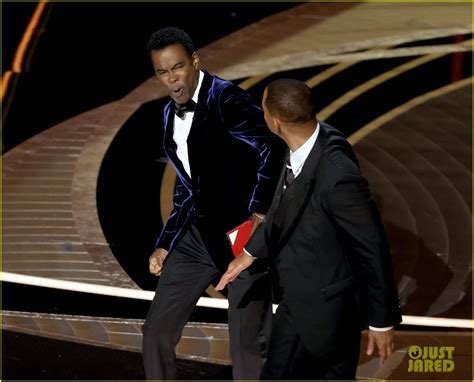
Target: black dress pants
{"points": [[288, 357], [187, 273]]}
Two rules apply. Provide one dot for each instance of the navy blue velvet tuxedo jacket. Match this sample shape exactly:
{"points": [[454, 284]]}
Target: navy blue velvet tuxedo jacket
{"points": [[235, 162], [333, 259]]}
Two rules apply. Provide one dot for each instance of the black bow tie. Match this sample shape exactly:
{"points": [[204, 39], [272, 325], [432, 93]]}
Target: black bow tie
{"points": [[181, 109]]}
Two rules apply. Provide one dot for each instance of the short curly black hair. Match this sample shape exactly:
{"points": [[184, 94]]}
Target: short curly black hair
{"points": [[169, 36]]}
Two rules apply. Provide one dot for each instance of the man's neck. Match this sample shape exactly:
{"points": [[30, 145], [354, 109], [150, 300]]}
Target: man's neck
{"points": [[297, 135]]}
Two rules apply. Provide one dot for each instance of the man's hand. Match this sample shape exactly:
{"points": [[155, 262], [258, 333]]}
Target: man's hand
{"points": [[241, 262], [384, 342], [156, 261]]}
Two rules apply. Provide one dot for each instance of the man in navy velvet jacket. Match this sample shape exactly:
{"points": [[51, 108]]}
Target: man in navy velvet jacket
{"points": [[227, 163]]}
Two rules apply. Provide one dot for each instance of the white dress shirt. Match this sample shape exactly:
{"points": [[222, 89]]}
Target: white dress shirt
{"points": [[182, 127], [298, 157]]}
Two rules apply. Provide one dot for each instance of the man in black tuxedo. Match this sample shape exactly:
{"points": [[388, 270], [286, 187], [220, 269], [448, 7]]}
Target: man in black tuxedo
{"points": [[227, 163], [326, 236]]}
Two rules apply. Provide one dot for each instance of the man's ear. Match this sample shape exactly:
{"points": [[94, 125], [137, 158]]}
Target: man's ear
{"points": [[277, 124], [195, 60]]}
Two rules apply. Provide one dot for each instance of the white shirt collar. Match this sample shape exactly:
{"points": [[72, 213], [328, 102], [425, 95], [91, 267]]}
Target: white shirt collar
{"points": [[198, 88], [298, 157]]}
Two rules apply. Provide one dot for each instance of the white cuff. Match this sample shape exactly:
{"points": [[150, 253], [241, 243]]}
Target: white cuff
{"points": [[247, 253], [386, 329], [257, 215]]}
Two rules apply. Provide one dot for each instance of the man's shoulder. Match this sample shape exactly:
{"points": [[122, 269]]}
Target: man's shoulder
{"points": [[338, 157], [218, 80], [221, 91], [218, 85]]}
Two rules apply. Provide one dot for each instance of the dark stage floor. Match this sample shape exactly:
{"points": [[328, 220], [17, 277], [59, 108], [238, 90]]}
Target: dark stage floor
{"points": [[39, 358]]}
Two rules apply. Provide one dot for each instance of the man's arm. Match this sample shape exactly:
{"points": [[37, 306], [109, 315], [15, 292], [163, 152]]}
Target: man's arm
{"points": [[170, 229], [255, 247], [239, 264], [356, 215], [244, 121]]}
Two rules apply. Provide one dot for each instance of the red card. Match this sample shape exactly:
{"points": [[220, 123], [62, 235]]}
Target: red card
{"points": [[239, 236]]}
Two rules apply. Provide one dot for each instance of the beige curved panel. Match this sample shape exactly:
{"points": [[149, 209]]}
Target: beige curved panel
{"points": [[51, 226], [375, 124], [328, 73], [252, 81], [315, 33], [372, 83]]}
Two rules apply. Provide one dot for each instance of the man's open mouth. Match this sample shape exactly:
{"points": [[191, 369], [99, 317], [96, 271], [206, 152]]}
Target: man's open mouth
{"points": [[177, 92]]}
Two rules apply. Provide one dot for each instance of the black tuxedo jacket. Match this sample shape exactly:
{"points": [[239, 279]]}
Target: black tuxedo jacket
{"points": [[330, 248], [235, 162]]}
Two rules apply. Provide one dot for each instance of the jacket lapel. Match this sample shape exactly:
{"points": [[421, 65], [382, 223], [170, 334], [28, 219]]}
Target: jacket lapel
{"points": [[277, 195], [198, 128], [294, 200]]}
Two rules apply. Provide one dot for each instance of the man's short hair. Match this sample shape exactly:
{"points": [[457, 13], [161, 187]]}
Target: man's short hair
{"points": [[170, 36], [290, 100]]}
